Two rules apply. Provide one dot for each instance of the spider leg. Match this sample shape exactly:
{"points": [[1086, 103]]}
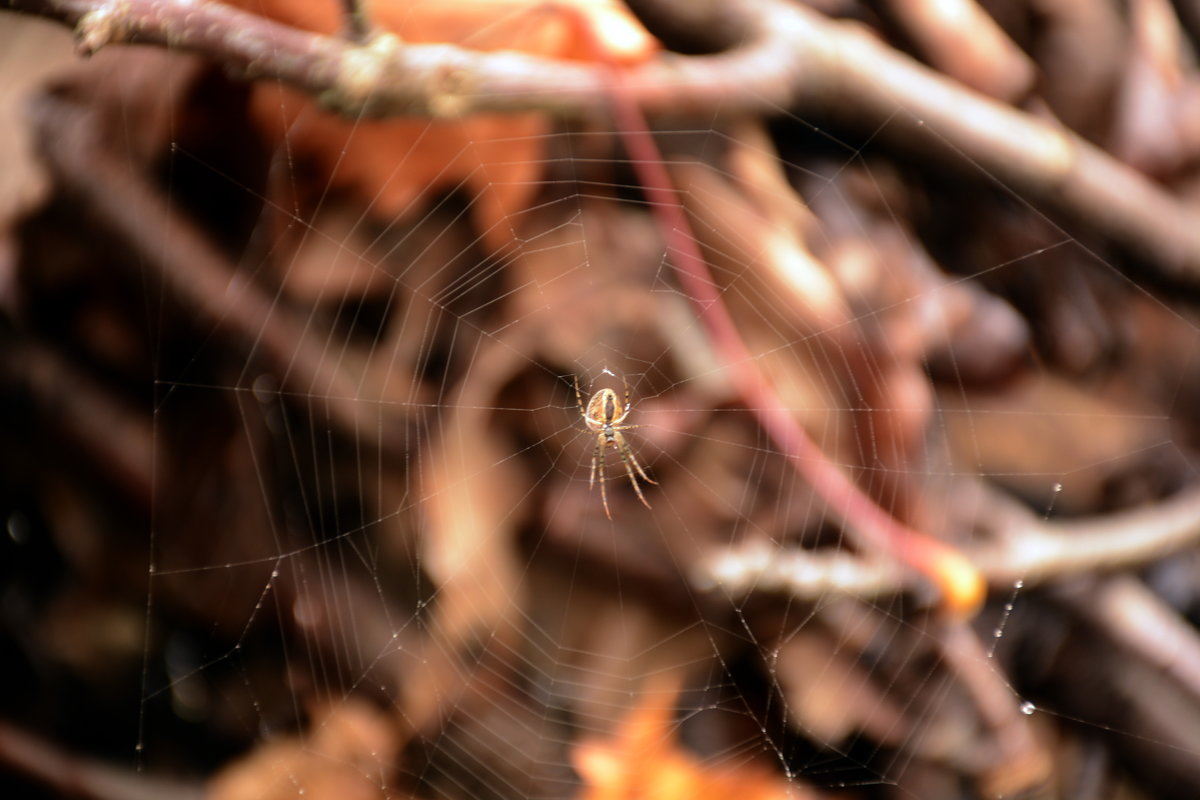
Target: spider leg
{"points": [[639, 469], [579, 398], [598, 463], [630, 462], [632, 457], [597, 458]]}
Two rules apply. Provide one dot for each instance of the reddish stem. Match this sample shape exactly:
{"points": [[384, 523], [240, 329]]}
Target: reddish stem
{"points": [[961, 585]]}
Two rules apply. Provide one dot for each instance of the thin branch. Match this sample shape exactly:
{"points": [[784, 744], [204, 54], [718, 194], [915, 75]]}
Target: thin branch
{"points": [[993, 64], [71, 776], [1026, 549], [1021, 763], [92, 420], [759, 566], [1138, 620], [1033, 551], [194, 271]]}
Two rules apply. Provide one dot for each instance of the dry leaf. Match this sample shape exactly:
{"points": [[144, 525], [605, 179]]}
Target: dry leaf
{"points": [[644, 761], [346, 755]]}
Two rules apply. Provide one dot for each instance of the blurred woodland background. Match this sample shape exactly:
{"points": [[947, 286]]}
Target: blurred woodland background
{"points": [[293, 298]]}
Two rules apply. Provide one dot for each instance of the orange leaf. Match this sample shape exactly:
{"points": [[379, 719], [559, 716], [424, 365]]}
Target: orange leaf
{"points": [[644, 761], [394, 167]]}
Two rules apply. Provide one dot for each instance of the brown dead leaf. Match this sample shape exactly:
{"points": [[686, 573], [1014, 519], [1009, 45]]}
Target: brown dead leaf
{"points": [[346, 755], [1045, 431], [471, 484], [830, 697], [32, 50]]}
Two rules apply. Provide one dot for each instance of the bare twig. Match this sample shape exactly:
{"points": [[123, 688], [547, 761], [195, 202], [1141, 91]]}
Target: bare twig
{"points": [[850, 75], [1021, 764], [115, 437], [1033, 551], [759, 566], [71, 776], [194, 271], [1135, 618], [1141, 658], [1027, 550], [993, 64], [387, 77]]}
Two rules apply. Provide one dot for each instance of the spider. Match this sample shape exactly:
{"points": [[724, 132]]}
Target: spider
{"points": [[603, 416]]}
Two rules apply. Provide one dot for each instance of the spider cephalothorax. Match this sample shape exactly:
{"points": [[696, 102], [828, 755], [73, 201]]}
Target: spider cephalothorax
{"points": [[603, 416]]}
